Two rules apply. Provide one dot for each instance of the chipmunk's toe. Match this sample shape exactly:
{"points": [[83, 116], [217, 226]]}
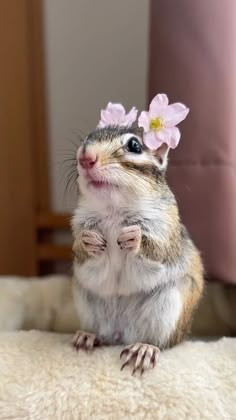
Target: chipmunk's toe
{"points": [[130, 238], [142, 356], [93, 243], [85, 341]]}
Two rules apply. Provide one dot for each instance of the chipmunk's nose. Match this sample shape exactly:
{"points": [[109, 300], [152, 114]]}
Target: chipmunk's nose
{"points": [[87, 160]]}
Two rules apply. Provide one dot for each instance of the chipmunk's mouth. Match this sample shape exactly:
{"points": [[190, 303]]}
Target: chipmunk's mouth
{"points": [[102, 185], [98, 182]]}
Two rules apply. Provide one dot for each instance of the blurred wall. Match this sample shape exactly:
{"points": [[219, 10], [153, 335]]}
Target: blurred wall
{"points": [[96, 51]]}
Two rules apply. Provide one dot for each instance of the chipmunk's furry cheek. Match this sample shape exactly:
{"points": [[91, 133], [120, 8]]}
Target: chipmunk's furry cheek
{"points": [[146, 169]]}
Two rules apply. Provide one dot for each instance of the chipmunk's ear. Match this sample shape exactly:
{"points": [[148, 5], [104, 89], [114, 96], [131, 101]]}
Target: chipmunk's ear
{"points": [[162, 156]]}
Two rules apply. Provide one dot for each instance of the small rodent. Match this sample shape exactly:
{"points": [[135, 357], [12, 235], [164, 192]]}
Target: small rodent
{"points": [[137, 274]]}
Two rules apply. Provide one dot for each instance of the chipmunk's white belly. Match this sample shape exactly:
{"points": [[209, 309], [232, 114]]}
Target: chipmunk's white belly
{"points": [[116, 271], [102, 274], [120, 279]]}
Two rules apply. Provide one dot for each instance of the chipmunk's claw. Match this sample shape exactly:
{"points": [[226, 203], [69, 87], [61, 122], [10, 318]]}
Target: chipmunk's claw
{"points": [[130, 238], [144, 357], [93, 242], [85, 341]]}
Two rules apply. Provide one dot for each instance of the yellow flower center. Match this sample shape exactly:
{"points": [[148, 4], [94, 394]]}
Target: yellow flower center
{"points": [[156, 124]]}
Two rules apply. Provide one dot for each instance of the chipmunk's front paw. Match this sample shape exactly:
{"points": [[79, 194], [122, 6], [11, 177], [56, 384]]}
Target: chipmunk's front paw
{"points": [[93, 242], [85, 341], [142, 356], [130, 238]]}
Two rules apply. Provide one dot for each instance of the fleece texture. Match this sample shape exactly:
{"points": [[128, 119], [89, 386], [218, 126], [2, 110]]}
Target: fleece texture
{"points": [[43, 377]]}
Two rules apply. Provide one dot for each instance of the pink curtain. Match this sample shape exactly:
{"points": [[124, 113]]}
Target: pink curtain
{"points": [[193, 60]]}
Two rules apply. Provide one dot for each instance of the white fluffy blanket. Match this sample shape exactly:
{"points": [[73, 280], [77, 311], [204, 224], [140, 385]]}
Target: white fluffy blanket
{"points": [[42, 377]]}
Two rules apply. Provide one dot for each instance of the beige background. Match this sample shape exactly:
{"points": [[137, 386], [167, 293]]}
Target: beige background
{"points": [[96, 51]]}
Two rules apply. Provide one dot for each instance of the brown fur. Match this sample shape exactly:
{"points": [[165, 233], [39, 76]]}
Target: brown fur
{"points": [[80, 255], [156, 251], [191, 293], [173, 247]]}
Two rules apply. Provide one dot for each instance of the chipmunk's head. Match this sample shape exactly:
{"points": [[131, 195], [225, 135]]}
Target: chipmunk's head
{"points": [[117, 160], [114, 160]]}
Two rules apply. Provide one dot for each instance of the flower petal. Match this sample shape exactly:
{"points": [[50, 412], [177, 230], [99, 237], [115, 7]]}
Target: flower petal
{"points": [[106, 115], [114, 114], [117, 109], [144, 120], [175, 138], [170, 136], [101, 124], [158, 105], [129, 118], [151, 140], [174, 114], [164, 135], [106, 119]]}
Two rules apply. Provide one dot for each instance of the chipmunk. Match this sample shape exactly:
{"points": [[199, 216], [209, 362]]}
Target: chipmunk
{"points": [[137, 274]]}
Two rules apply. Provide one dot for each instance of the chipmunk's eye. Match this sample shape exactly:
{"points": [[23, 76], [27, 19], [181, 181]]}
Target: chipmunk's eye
{"points": [[133, 145]]}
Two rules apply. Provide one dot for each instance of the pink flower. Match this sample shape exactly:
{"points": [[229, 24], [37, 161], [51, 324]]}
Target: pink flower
{"points": [[159, 123], [114, 114]]}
